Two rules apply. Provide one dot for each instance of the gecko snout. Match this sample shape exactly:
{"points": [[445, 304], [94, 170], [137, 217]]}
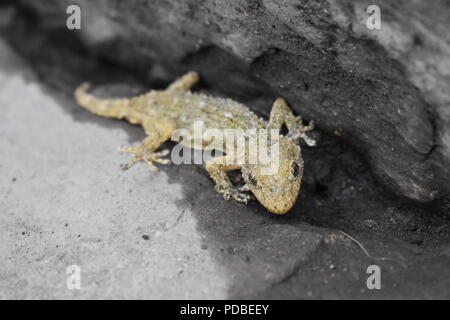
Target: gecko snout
{"points": [[279, 207], [278, 202]]}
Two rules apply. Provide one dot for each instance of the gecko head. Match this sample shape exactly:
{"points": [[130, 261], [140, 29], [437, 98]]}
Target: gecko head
{"points": [[276, 186]]}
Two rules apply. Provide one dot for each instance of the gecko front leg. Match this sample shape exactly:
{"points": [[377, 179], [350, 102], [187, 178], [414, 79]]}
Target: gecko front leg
{"points": [[281, 114], [158, 131], [217, 168]]}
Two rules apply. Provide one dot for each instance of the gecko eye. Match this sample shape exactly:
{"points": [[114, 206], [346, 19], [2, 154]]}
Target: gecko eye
{"points": [[295, 169], [252, 179]]}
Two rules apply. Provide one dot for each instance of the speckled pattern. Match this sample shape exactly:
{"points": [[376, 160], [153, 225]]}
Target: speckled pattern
{"points": [[162, 112]]}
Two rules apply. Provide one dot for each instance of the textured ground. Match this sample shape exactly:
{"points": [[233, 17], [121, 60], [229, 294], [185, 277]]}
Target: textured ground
{"points": [[136, 234], [385, 91]]}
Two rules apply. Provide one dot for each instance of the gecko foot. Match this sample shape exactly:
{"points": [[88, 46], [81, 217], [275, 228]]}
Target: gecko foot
{"points": [[300, 132], [148, 157], [235, 194]]}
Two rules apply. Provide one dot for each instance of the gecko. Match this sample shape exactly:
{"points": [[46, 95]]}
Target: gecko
{"points": [[161, 112]]}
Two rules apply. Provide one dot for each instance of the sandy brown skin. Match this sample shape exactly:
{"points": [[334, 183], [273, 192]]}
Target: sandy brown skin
{"points": [[161, 112]]}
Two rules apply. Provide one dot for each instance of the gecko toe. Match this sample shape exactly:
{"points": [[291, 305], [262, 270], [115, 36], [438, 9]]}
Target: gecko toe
{"points": [[241, 197], [162, 153], [235, 194]]}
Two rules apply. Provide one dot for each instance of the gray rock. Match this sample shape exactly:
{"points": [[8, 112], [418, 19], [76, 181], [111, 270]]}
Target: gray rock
{"points": [[385, 90]]}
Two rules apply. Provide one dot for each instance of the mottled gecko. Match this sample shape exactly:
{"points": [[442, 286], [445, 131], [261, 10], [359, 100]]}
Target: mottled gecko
{"points": [[161, 112]]}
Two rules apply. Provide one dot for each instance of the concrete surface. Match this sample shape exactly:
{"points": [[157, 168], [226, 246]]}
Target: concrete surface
{"points": [[65, 201]]}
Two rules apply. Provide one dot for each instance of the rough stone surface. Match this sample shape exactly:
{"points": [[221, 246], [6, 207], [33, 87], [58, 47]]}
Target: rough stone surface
{"points": [[385, 90], [63, 205], [64, 199]]}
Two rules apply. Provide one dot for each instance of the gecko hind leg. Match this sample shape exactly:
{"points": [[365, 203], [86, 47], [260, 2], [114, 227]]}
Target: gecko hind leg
{"points": [[158, 131], [142, 154], [184, 83]]}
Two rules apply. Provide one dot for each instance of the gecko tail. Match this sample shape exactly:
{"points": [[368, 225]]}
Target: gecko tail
{"points": [[111, 108]]}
